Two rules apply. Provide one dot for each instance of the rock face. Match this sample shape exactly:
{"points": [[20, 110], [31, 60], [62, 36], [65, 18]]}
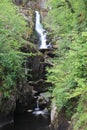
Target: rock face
{"points": [[54, 117], [59, 120], [7, 107], [19, 2]]}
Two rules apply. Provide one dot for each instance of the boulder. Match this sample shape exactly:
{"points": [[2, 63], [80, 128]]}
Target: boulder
{"points": [[44, 99]]}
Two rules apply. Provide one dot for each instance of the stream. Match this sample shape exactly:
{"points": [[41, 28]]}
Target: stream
{"points": [[28, 121], [36, 119]]}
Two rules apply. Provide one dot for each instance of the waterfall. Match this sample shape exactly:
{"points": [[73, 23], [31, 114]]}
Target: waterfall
{"points": [[37, 106], [41, 32], [37, 103], [37, 111]]}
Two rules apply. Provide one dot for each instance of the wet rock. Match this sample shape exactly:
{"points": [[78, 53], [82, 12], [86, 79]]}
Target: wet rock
{"points": [[40, 85], [8, 105], [37, 67], [28, 48], [34, 62], [51, 54], [33, 5], [63, 120], [44, 99], [18, 2], [34, 93], [59, 120], [25, 97], [36, 5], [54, 117]]}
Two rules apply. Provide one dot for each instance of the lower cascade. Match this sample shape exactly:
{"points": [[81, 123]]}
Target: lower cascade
{"points": [[42, 33], [38, 112]]}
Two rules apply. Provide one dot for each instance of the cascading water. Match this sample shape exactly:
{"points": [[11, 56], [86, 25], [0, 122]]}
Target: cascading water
{"points": [[37, 111], [37, 106], [41, 32]]}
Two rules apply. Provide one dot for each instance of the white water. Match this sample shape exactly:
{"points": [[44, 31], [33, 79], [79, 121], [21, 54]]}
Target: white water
{"points": [[37, 111], [37, 106], [41, 32]]}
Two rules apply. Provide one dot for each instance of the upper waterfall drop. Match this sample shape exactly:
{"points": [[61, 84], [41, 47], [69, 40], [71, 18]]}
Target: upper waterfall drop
{"points": [[41, 32]]}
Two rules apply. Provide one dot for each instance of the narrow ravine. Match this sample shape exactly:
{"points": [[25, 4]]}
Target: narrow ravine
{"points": [[43, 65], [37, 117]]}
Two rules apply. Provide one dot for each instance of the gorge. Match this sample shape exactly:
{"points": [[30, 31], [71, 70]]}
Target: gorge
{"points": [[43, 65], [27, 114]]}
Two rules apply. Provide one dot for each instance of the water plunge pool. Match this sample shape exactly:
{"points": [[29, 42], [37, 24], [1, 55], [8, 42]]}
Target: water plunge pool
{"points": [[28, 121]]}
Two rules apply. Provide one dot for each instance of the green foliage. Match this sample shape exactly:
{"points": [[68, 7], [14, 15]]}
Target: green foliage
{"points": [[80, 116], [69, 75], [12, 25], [12, 30]]}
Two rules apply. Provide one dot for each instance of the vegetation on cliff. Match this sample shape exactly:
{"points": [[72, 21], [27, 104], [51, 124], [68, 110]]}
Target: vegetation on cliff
{"points": [[68, 28], [12, 35], [68, 25]]}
